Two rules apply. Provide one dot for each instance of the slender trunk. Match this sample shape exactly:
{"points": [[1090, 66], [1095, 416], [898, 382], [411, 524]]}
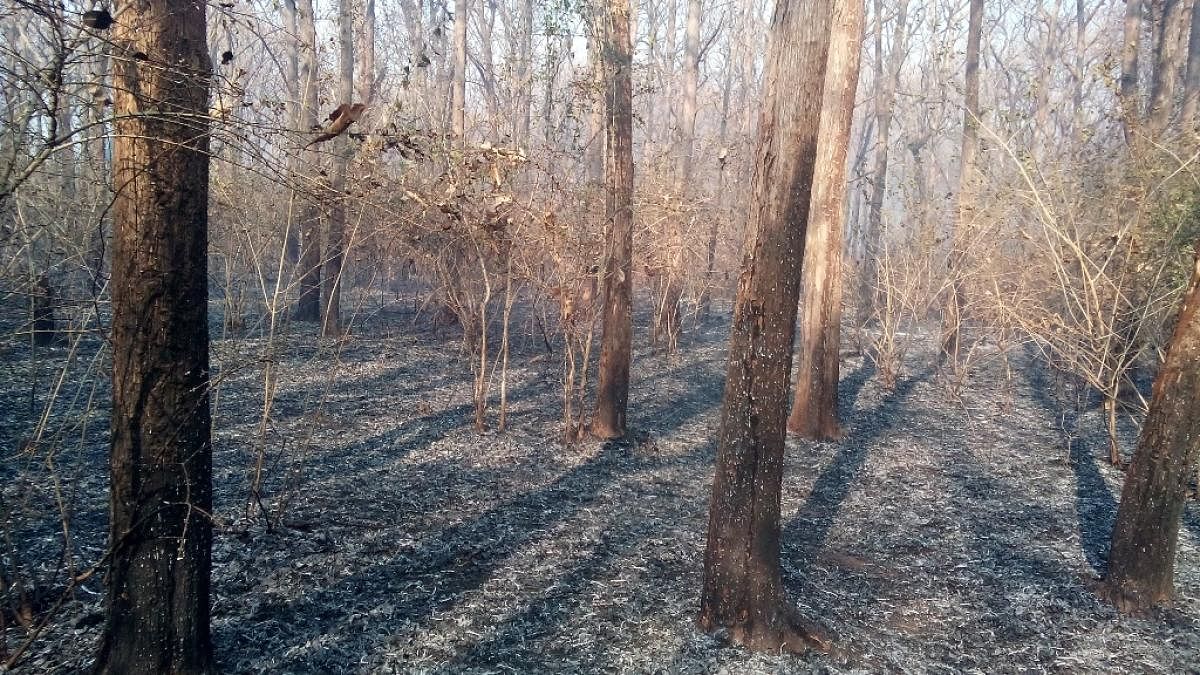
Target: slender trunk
{"points": [[814, 408], [616, 342], [952, 316], [1128, 93], [743, 587], [291, 243], [1141, 562], [161, 458], [885, 96], [331, 324], [308, 305], [458, 112], [1191, 83]]}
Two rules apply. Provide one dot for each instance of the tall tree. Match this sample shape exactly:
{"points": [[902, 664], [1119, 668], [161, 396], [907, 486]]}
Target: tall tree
{"points": [[887, 75], [161, 457], [331, 325], [458, 112], [814, 406], [1130, 49], [308, 304], [743, 585], [1141, 561], [1191, 82], [952, 313], [612, 395], [1169, 59]]}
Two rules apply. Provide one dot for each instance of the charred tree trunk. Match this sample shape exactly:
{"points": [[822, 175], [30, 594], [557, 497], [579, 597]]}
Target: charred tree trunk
{"points": [[1141, 561], [612, 395], [952, 313], [44, 325], [1168, 63], [814, 408], [308, 305], [743, 586], [161, 458]]}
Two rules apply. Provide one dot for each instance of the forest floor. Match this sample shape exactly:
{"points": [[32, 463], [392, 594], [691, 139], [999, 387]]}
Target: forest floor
{"points": [[943, 534]]}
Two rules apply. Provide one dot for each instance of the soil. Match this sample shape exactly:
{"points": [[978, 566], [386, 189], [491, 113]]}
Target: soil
{"points": [[943, 534]]}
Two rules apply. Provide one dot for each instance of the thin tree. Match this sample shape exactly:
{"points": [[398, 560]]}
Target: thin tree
{"points": [[886, 79], [616, 340], [814, 406], [161, 458], [743, 584], [331, 324], [308, 304], [1130, 50], [458, 112], [1141, 561], [952, 313]]}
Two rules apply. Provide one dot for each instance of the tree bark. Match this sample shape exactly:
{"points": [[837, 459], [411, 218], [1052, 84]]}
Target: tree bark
{"points": [[161, 457], [1129, 95], [1168, 62], [612, 395], [331, 324], [1141, 561], [458, 113], [1191, 82], [952, 313], [814, 407], [308, 305], [743, 586]]}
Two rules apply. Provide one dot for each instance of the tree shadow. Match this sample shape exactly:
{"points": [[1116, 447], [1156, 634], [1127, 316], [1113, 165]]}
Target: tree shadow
{"points": [[1095, 505]]}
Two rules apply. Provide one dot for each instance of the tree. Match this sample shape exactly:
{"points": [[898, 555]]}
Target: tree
{"points": [[308, 305], [1141, 560], [458, 110], [616, 338], [952, 314], [1191, 82], [161, 458], [1170, 56], [814, 406], [331, 325], [743, 585], [886, 80]]}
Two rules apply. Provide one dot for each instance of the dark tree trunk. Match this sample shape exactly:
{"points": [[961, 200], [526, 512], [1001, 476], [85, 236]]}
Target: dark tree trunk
{"points": [[331, 323], [952, 313], [743, 586], [1169, 59], [1191, 80], [161, 460], [1141, 561], [1128, 93], [45, 328], [814, 408], [612, 391]]}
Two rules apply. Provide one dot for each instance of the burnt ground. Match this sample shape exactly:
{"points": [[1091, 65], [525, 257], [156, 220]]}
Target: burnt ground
{"points": [[942, 535]]}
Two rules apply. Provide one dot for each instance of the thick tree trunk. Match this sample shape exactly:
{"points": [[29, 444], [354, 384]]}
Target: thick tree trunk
{"points": [[1168, 62], [308, 305], [331, 324], [612, 395], [161, 459], [814, 408], [952, 313], [885, 95], [1191, 81], [1141, 560], [1129, 95], [743, 586]]}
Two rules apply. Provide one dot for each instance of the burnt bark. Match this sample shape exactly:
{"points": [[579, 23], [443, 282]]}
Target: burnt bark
{"points": [[1169, 58], [616, 340], [331, 317], [308, 304], [814, 406], [743, 586], [161, 459], [44, 324], [1141, 561]]}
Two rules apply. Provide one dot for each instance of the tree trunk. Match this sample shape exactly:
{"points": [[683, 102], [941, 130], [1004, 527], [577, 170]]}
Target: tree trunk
{"points": [[1168, 62], [743, 586], [291, 240], [331, 324], [814, 408], [612, 395], [885, 96], [308, 305], [458, 113], [1129, 94], [1191, 82], [1141, 559], [952, 314], [161, 458]]}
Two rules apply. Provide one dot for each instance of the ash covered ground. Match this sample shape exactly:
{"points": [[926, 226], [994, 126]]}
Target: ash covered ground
{"points": [[944, 534]]}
